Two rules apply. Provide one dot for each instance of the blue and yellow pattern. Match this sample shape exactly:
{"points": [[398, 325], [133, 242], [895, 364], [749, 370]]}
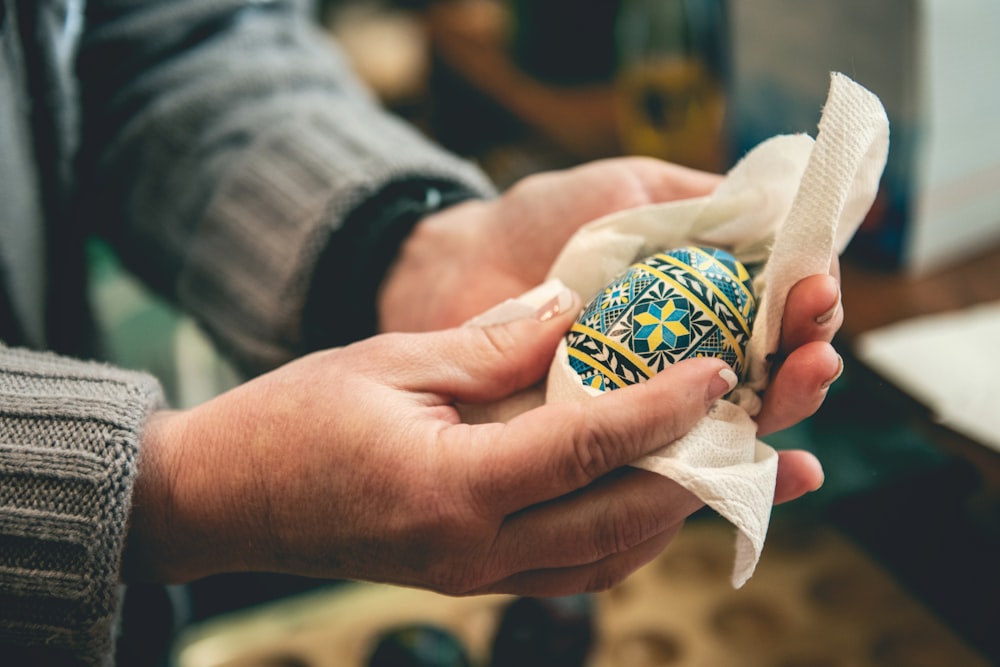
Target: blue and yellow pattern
{"points": [[688, 302]]}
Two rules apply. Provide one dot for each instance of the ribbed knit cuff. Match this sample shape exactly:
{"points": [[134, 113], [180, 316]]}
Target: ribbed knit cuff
{"points": [[251, 267], [236, 142], [341, 306], [69, 443]]}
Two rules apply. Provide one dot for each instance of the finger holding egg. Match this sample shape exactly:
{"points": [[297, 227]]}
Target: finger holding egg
{"points": [[692, 301]]}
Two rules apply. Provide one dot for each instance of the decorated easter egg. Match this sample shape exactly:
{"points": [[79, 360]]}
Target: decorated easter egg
{"points": [[689, 302]]}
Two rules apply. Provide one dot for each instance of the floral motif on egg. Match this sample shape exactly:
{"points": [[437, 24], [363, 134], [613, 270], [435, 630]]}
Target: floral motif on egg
{"points": [[688, 302]]}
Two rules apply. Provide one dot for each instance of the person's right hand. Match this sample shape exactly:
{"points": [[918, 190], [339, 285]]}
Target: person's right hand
{"points": [[352, 463]]}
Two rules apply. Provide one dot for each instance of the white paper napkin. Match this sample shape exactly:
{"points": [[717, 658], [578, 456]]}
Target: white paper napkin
{"points": [[788, 205]]}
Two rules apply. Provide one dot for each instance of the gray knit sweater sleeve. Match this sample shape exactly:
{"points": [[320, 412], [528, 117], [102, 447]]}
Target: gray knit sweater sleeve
{"points": [[225, 143], [69, 434]]}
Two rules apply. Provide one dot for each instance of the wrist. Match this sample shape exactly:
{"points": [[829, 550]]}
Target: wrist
{"points": [[151, 552], [178, 529], [425, 282], [341, 305]]}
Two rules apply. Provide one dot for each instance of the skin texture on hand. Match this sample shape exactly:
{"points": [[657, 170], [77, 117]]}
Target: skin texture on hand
{"points": [[353, 463], [468, 258], [472, 256]]}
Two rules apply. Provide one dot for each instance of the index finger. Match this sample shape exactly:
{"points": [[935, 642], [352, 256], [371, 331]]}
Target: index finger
{"points": [[668, 181], [555, 449]]}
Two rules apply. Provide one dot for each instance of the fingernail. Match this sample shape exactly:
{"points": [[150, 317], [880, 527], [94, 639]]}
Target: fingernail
{"points": [[836, 376], [722, 384], [819, 484], [829, 315], [560, 303]]}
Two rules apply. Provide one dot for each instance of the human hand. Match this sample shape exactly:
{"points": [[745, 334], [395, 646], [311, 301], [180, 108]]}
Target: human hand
{"points": [[806, 363], [353, 463], [470, 257]]}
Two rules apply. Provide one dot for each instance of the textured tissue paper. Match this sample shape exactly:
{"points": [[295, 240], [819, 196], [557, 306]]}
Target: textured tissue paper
{"points": [[787, 207]]}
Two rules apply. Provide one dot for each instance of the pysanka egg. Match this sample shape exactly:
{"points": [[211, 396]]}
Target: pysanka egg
{"points": [[688, 302]]}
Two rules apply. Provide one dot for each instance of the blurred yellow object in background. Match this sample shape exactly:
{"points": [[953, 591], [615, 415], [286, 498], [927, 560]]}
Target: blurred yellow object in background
{"points": [[673, 108], [671, 83]]}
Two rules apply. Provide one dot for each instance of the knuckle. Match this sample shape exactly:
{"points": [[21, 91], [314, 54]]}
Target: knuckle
{"points": [[448, 578], [448, 548], [498, 341], [590, 447], [495, 351], [604, 579], [617, 536]]}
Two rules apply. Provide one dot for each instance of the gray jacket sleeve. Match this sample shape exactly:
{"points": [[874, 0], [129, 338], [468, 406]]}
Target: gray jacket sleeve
{"points": [[225, 143], [69, 433]]}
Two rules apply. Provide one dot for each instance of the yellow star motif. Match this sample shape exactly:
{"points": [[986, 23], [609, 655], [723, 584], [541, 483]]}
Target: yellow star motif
{"points": [[666, 320]]}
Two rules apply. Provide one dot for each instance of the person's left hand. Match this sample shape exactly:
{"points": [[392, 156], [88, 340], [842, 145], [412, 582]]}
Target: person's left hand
{"points": [[462, 261], [466, 259]]}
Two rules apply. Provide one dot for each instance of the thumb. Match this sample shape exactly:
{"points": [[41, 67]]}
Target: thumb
{"points": [[486, 363]]}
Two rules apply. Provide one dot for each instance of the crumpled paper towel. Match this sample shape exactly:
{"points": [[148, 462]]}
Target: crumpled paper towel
{"points": [[787, 207]]}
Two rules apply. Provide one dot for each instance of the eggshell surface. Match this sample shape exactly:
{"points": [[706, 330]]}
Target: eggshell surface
{"points": [[687, 302]]}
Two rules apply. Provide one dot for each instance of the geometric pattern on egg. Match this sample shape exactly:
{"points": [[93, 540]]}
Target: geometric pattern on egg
{"points": [[688, 302]]}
